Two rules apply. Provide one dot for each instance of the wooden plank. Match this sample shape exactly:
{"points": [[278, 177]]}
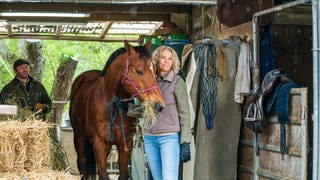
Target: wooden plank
{"points": [[102, 16], [105, 29], [12, 19], [71, 38], [92, 7], [96, 16], [58, 30], [272, 162], [8, 109], [271, 165], [292, 151], [299, 15], [9, 27]]}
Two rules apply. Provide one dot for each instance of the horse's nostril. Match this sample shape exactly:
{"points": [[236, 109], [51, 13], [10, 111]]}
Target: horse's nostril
{"points": [[158, 107], [161, 108]]}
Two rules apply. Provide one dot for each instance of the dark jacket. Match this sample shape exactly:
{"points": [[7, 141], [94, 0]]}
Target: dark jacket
{"points": [[26, 96]]}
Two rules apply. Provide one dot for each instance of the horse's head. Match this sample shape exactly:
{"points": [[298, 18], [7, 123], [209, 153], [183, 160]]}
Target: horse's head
{"points": [[139, 77]]}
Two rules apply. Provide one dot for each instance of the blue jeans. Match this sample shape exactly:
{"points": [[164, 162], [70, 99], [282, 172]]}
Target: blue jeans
{"points": [[163, 155]]}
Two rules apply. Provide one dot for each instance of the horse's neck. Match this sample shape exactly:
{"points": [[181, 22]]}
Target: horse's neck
{"points": [[112, 79], [110, 84]]}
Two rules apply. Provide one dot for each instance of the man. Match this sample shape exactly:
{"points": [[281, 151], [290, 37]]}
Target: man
{"points": [[26, 92]]}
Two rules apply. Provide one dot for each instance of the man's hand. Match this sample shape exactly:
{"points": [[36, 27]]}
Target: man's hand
{"points": [[185, 152], [40, 107]]}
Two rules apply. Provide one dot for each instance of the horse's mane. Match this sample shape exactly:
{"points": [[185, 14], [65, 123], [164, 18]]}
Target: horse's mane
{"points": [[143, 53]]}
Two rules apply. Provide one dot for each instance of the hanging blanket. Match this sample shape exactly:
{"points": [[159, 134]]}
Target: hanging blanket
{"points": [[216, 149], [282, 96]]}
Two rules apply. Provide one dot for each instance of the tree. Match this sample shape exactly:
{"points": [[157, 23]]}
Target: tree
{"points": [[32, 51], [61, 86], [7, 57], [60, 94]]}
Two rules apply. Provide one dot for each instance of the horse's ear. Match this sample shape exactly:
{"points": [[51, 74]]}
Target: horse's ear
{"points": [[148, 45], [128, 47]]}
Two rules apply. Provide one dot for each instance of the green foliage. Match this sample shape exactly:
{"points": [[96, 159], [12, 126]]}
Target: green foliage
{"points": [[13, 47], [90, 55], [9, 52], [65, 57], [58, 156]]}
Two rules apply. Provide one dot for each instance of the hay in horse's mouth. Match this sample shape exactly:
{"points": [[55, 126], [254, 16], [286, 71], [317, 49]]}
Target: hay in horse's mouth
{"points": [[149, 114], [145, 111]]}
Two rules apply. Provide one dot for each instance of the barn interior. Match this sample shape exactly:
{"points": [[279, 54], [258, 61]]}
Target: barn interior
{"points": [[291, 36]]}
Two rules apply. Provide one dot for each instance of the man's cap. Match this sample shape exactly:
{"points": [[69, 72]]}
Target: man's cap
{"points": [[20, 62]]}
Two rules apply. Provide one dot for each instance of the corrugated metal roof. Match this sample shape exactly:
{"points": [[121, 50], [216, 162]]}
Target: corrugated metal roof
{"points": [[90, 30], [88, 19]]}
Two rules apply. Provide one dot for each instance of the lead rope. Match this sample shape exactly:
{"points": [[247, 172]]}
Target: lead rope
{"points": [[205, 55], [111, 114], [119, 108], [113, 109]]}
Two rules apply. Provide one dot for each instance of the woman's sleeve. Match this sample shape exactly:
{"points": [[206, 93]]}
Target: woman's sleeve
{"points": [[180, 92]]}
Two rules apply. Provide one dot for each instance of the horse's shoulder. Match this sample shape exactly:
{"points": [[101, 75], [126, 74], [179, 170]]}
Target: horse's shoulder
{"points": [[84, 81], [91, 73], [87, 76]]}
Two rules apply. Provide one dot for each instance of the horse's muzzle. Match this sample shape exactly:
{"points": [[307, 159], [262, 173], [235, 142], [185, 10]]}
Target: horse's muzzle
{"points": [[158, 107]]}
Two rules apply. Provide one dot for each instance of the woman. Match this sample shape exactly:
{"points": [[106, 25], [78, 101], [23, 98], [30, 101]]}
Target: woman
{"points": [[167, 140]]}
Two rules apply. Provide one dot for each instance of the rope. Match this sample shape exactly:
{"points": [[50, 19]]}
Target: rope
{"points": [[205, 55], [111, 113], [113, 109]]}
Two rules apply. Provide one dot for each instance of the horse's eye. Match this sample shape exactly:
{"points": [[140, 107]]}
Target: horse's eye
{"points": [[140, 72]]}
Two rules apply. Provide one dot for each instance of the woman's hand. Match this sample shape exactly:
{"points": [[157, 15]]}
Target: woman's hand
{"points": [[185, 154]]}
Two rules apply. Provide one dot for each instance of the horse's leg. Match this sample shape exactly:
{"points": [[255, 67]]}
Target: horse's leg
{"points": [[124, 160], [80, 147], [101, 149]]}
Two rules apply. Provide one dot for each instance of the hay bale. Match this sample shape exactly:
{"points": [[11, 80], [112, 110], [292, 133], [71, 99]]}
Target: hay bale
{"points": [[38, 174], [25, 151], [24, 146]]}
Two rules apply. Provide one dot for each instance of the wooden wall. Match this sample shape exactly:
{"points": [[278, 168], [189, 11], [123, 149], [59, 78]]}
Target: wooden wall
{"points": [[203, 22], [270, 163], [292, 46], [292, 43]]}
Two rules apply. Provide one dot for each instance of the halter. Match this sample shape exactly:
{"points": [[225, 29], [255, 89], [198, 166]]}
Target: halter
{"points": [[131, 82]]}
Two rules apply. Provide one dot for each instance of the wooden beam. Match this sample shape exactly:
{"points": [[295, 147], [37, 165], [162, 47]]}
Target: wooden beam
{"points": [[43, 19], [286, 18], [105, 29], [169, 31], [93, 7], [9, 27], [58, 30], [298, 15], [71, 38], [93, 17], [128, 17]]}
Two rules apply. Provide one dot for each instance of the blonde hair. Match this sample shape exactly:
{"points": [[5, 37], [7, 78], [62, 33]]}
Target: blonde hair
{"points": [[175, 60]]}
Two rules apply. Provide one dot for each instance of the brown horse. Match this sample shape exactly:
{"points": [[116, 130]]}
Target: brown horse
{"points": [[98, 103]]}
